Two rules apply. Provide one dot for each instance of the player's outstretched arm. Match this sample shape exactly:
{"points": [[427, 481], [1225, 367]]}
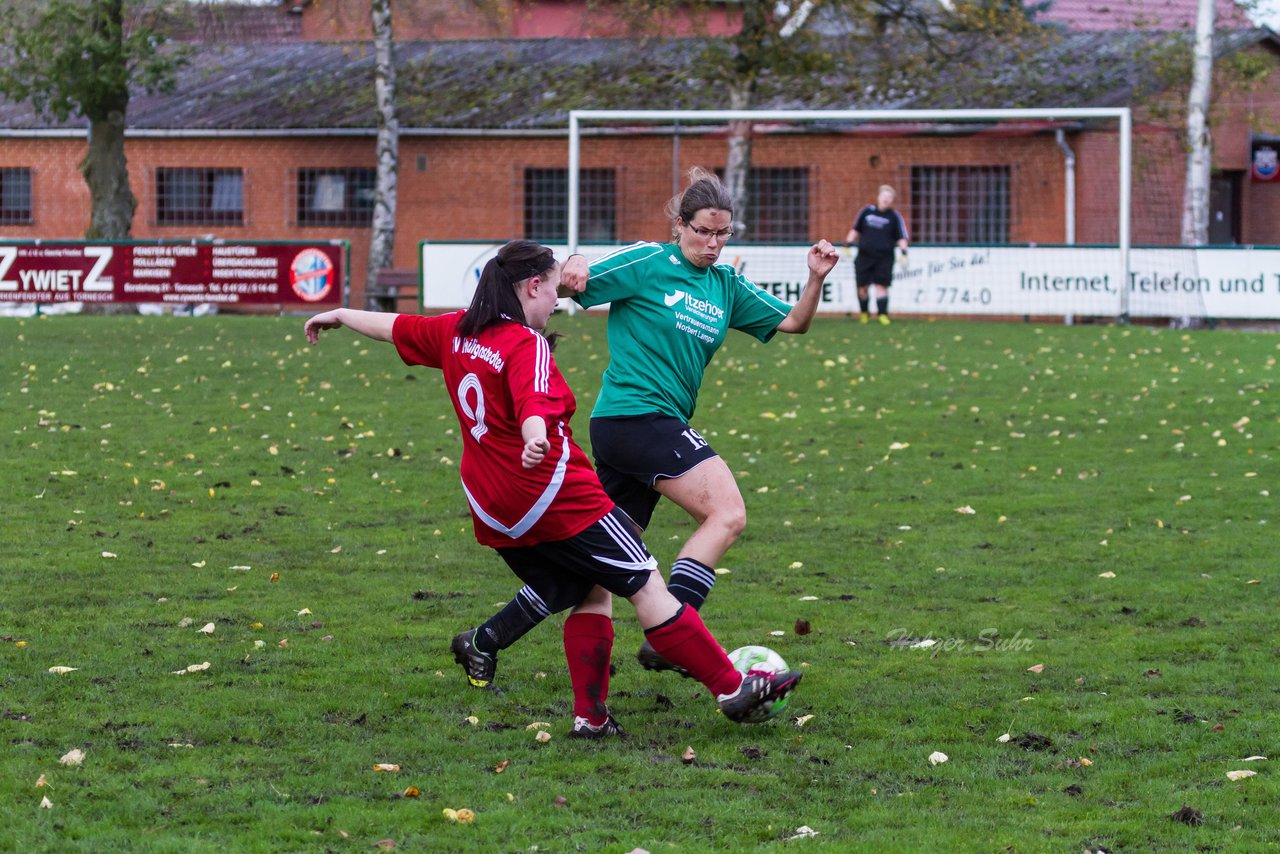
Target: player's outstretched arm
{"points": [[373, 324], [822, 258]]}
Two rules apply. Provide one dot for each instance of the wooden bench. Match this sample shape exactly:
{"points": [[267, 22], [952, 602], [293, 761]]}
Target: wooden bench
{"points": [[392, 286]]}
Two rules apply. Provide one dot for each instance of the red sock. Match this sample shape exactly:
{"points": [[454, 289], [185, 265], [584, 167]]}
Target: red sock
{"points": [[588, 645], [685, 641]]}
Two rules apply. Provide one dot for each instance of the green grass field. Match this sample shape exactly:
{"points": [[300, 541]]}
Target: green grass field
{"points": [[947, 506]]}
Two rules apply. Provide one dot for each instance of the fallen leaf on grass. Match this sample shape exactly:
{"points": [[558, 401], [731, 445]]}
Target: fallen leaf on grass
{"points": [[777, 634], [76, 757], [966, 510], [275, 576], [796, 565], [542, 737], [42, 782], [1252, 758], [802, 832], [560, 801], [282, 643], [1107, 574], [208, 629], [688, 756], [60, 669], [501, 766], [938, 757], [537, 725], [1004, 738], [720, 570], [1085, 761], [335, 550], [1036, 668], [108, 554], [192, 668], [384, 844], [411, 792], [304, 612], [199, 565], [803, 719], [808, 598], [386, 766], [1240, 775], [472, 719], [46, 804]]}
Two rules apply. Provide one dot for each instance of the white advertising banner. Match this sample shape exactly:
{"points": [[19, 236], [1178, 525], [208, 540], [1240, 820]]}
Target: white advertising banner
{"points": [[1056, 281]]}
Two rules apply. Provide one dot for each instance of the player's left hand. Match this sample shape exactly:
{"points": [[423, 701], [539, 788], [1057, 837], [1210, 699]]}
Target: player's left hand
{"points": [[822, 257], [325, 320], [535, 451]]}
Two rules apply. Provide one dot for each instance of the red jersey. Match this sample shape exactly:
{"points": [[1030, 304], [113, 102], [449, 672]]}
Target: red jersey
{"points": [[496, 380]]}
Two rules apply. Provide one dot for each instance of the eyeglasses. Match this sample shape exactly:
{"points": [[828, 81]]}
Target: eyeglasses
{"points": [[707, 234]]}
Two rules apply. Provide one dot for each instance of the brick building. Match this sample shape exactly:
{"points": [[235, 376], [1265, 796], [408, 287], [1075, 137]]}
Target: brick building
{"points": [[269, 135]]}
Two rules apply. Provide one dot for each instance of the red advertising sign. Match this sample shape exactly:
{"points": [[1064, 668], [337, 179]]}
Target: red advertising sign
{"points": [[223, 273]]}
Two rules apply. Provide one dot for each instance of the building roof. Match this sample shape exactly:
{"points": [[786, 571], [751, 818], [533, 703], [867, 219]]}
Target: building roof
{"points": [[1091, 15], [533, 84]]}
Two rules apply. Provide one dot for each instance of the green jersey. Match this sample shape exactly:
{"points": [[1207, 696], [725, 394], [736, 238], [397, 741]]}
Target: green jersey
{"points": [[667, 318]]}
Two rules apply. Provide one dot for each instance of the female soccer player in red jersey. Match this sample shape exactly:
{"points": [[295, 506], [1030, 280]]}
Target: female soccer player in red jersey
{"points": [[535, 498]]}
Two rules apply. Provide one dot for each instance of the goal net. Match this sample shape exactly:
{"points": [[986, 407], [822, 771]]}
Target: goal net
{"points": [[1010, 212]]}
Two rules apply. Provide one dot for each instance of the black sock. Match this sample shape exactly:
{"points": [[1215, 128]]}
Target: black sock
{"points": [[865, 303], [691, 581], [510, 624], [882, 305]]}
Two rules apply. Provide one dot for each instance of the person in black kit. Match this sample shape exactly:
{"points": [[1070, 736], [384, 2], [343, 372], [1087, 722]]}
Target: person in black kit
{"points": [[877, 230]]}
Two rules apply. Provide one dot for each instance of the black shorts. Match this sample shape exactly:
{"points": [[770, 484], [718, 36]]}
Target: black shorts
{"points": [[633, 451], [608, 553], [873, 268]]}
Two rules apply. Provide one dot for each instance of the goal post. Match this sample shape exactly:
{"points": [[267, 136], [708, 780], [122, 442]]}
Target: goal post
{"points": [[972, 121]]}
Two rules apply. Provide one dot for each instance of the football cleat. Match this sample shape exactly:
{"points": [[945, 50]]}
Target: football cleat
{"points": [[479, 667], [884, 320], [650, 660], [757, 696], [583, 728], [864, 318]]}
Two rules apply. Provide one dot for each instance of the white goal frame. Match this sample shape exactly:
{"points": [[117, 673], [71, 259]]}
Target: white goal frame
{"points": [[578, 117]]}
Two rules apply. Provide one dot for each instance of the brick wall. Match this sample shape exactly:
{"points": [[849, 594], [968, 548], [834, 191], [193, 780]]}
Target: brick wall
{"points": [[468, 188]]}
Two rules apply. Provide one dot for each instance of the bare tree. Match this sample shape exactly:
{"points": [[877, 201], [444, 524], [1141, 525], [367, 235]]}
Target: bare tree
{"points": [[382, 240], [1195, 204]]}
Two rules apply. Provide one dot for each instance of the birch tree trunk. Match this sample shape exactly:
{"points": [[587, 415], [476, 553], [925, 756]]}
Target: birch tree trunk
{"points": [[382, 238], [737, 162], [1195, 204]]}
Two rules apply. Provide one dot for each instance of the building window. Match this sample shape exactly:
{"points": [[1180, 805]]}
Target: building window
{"points": [[546, 205], [960, 204], [778, 205], [336, 196], [15, 196], [199, 196]]}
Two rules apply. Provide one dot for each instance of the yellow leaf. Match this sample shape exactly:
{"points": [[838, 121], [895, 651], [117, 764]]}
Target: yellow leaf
{"points": [[386, 766], [542, 737], [72, 757], [465, 816], [42, 782], [1036, 668], [60, 669], [411, 792]]}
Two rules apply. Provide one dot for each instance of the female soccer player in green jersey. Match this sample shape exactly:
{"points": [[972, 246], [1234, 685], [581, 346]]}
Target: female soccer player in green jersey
{"points": [[671, 305]]}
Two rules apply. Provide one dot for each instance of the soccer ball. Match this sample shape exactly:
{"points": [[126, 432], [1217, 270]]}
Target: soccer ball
{"points": [[754, 660]]}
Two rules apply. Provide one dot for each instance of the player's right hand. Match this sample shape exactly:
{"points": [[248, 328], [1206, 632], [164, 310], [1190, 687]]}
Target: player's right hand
{"points": [[574, 273]]}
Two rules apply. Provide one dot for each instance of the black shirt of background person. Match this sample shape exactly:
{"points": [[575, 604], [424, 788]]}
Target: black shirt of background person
{"points": [[879, 230]]}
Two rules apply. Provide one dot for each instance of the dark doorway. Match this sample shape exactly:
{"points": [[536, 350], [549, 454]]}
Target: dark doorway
{"points": [[1224, 208]]}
